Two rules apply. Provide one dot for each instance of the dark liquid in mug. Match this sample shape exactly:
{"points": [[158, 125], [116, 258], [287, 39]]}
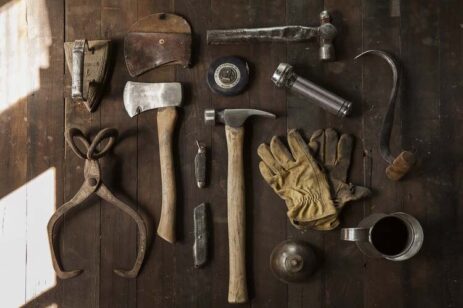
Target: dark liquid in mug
{"points": [[390, 236]]}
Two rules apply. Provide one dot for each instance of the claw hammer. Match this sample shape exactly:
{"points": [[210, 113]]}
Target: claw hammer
{"points": [[234, 132]]}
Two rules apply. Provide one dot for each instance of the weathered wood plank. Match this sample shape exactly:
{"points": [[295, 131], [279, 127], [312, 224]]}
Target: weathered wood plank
{"points": [[423, 123], [265, 218], [20, 79], [155, 285], [381, 30], [307, 118], [80, 249], [118, 230], [193, 286], [45, 152], [451, 91], [426, 36], [343, 264], [238, 14]]}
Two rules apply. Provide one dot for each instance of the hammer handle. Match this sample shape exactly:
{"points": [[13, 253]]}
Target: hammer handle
{"points": [[237, 287], [268, 34], [166, 124]]}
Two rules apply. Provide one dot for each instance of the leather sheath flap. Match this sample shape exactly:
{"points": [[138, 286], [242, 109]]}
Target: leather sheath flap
{"points": [[146, 51]]}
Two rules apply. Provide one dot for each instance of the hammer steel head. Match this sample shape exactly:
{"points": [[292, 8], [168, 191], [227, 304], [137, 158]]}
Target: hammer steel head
{"points": [[140, 96], [233, 117], [327, 33]]}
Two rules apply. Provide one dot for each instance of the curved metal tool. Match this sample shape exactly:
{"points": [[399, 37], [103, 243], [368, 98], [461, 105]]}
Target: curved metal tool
{"points": [[93, 184], [400, 165]]}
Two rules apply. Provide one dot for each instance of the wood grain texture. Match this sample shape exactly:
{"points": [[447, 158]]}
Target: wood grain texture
{"points": [[306, 117], [118, 232], [156, 284], [344, 264], [45, 144], [450, 186], [238, 14], [166, 119], [422, 109], [427, 38], [381, 30], [236, 212], [195, 286], [80, 249], [265, 215]]}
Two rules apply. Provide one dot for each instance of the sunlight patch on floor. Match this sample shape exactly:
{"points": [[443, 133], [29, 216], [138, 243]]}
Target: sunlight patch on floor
{"points": [[26, 270], [26, 38]]}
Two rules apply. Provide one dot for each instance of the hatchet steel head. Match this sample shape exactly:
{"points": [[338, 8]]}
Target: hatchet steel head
{"points": [[141, 96]]}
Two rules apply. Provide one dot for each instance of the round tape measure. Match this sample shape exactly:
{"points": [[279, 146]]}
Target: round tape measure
{"points": [[228, 76]]}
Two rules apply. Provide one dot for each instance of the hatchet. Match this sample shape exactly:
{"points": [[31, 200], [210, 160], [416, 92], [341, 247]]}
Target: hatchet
{"points": [[140, 97]]}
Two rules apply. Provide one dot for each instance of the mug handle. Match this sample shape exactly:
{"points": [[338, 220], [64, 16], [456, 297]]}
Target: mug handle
{"points": [[355, 234]]}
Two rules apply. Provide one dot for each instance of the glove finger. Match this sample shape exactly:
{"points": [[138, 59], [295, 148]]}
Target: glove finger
{"points": [[352, 194], [361, 192], [313, 146], [318, 137], [267, 174], [299, 148], [281, 153], [264, 153], [331, 145], [345, 147]]}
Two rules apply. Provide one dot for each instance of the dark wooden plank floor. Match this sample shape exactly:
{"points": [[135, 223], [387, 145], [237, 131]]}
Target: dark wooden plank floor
{"points": [[427, 36]]}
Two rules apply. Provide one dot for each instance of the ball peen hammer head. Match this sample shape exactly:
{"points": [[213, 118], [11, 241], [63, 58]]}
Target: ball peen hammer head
{"points": [[327, 32], [233, 117], [141, 96]]}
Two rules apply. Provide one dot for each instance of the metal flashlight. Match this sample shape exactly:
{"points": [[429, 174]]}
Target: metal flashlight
{"points": [[284, 76]]}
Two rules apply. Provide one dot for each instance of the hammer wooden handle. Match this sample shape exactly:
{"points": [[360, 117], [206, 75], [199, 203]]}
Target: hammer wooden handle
{"points": [[166, 124], [237, 287]]}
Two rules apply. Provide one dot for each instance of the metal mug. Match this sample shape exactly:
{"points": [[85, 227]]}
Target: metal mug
{"points": [[396, 237]]}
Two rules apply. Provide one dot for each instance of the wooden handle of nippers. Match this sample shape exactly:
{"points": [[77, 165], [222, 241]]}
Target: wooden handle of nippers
{"points": [[401, 165], [237, 287], [166, 124]]}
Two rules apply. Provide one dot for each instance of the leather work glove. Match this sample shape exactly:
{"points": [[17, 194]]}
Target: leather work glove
{"points": [[335, 154], [298, 179]]}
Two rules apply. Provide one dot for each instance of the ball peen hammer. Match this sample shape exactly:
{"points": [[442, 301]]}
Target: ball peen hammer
{"points": [[234, 132], [140, 97], [325, 33]]}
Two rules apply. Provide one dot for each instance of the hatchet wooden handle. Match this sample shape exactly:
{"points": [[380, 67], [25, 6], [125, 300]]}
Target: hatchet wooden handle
{"points": [[237, 287], [166, 124]]}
